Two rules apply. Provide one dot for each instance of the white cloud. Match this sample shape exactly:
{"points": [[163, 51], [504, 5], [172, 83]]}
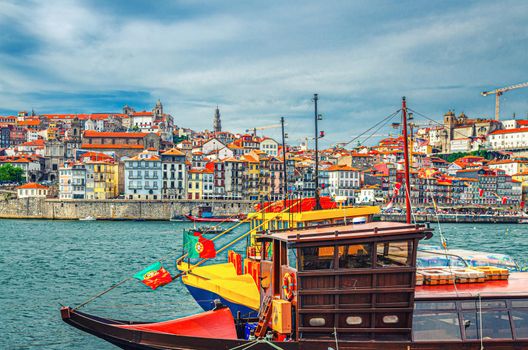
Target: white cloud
{"points": [[261, 63]]}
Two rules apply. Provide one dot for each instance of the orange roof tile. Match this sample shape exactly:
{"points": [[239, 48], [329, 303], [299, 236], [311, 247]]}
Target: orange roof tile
{"points": [[341, 168], [173, 152], [132, 135], [32, 185], [116, 146], [509, 131]]}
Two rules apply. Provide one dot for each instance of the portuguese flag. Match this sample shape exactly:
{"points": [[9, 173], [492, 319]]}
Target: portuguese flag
{"points": [[198, 247], [154, 276]]}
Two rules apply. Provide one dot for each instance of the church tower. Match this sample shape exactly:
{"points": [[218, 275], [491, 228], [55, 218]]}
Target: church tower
{"points": [[158, 110], [217, 123]]}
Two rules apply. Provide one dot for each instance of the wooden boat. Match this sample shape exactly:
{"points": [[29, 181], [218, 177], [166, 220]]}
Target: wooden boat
{"points": [[88, 218], [346, 287], [225, 281]]}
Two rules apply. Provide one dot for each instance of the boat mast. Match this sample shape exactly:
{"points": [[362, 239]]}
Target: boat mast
{"points": [[317, 203], [406, 156], [284, 172]]}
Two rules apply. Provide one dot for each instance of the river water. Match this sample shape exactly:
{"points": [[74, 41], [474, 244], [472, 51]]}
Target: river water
{"points": [[48, 263]]}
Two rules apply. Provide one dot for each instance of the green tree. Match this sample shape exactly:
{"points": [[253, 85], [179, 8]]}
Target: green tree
{"points": [[9, 173]]}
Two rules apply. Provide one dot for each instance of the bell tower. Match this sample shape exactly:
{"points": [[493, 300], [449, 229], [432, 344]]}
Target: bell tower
{"points": [[158, 110], [217, 123]]}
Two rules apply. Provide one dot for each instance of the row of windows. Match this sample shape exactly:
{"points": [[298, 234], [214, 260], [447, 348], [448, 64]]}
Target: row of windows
{"points": [[349, 256], [180, 166], [464, 320], [143, 164]]}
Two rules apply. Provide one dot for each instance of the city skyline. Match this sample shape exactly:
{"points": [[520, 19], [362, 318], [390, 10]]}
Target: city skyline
{"points": [[262, 61]]}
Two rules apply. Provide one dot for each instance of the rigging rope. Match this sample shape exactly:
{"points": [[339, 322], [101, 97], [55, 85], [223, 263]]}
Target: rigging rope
{"points": [[372, 127], [436, 122], [183, 256], [443, 240]]}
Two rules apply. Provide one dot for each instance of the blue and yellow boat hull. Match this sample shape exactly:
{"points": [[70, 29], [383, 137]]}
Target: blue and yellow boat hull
{"points": [[220, 281]]}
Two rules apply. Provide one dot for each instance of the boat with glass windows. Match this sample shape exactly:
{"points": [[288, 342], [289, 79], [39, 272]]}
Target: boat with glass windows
{"points": [[347, 287]]}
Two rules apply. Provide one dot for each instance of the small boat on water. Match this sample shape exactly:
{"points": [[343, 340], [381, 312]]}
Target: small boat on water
{"points": [[209, 229], [178, 218], [88, 218], [205, 214], [211, 219]]}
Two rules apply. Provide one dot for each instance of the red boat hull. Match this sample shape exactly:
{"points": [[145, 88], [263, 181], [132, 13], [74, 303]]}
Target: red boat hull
{"points": [[133, 335], [212, 219]]}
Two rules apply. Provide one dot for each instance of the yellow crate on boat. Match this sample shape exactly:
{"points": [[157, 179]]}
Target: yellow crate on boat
{"points": [[436, 276], [281, 316], [419, 279], [466, 275], [493, 273]]}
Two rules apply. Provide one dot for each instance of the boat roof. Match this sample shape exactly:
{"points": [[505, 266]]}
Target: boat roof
{"points": [[515, 286], [347, 232], [316, 215]]}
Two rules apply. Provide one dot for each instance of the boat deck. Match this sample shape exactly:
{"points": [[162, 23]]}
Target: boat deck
{"points": [[515, 286]]}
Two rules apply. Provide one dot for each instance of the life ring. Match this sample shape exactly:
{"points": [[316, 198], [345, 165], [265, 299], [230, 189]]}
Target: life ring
{"points": [[288, 284]]}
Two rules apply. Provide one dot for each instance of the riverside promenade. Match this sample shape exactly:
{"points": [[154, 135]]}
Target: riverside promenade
{"points": [[113, 209]]}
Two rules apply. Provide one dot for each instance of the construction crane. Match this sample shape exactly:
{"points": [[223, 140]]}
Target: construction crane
{"points": [[499, 92], [273, 126]]}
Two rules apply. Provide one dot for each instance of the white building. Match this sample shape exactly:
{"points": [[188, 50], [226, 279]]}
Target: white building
{"points": [[144, 121], [143, 176], [212, 146], [343, 180], [269, 146], [207, 184], [32, 190], [72, 181], [174, 174], [509, 139], [510, 166]]}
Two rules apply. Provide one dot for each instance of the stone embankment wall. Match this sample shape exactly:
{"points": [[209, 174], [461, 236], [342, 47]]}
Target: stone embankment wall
{"points": [[33, 208]]}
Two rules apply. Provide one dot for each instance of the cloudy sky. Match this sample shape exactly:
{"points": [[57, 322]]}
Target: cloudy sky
{"points": [[262, 60]]}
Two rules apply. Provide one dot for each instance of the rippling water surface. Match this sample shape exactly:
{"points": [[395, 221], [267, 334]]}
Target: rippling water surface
{"points": [[48, 263]]}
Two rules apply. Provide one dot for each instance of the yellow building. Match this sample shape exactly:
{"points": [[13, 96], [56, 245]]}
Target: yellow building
{"points": [[52, 131], [252, 175], [523, 178], [195, 181], [102, 180]]}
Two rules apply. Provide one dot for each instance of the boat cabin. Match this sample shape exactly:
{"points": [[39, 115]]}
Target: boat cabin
{"points": [[358, 283], [354, 282]]}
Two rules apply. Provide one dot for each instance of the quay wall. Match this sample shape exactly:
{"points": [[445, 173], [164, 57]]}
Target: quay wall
{"points": [[113, 209], [450, 218]]}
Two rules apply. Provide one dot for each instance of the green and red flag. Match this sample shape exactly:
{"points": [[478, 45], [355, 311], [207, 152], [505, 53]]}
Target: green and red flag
{"points": [[197, 246], [154, 276]]}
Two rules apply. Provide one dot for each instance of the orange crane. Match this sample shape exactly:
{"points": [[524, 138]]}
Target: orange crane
{"points": [[499, 92]]}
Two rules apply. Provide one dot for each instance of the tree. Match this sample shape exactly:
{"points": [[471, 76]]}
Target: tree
{"points": [[9, 173]]}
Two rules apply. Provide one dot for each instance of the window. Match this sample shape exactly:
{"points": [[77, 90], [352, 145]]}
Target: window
{"points": [[317, 258], [495, 325], [355, 256], [436, 326], [394, 253], [520, 321]]}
